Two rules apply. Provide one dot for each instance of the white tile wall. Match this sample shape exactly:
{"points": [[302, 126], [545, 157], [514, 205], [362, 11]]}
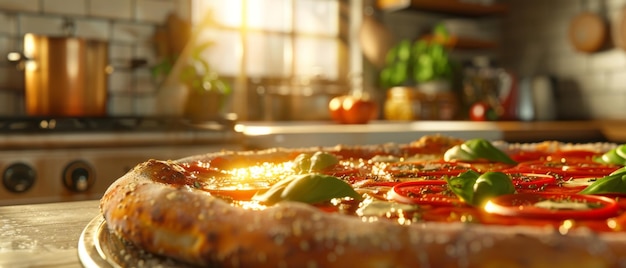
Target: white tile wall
{"points": [[535, 40], [114, 9], [128, 26], [20, 5], [65, 7]]}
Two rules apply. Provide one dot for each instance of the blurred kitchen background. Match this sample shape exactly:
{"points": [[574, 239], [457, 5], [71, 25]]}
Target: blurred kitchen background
{"points": [[90, 88], [275, 52]]}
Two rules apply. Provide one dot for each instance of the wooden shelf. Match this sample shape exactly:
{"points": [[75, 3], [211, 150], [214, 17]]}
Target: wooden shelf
{"points": [[465, 43], [453, 7]]}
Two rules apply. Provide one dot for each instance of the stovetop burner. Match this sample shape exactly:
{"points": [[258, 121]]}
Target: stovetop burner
{"points": [[106, 124]]}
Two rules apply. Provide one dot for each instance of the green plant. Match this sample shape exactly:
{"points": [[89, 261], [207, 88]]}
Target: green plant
{"points": [[196, 72], [409, 63]]}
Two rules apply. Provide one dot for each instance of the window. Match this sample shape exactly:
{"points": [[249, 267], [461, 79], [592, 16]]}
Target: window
{"points": [[274, 40]]}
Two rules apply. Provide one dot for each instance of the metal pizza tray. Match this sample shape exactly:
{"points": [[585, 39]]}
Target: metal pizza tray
{"points": [[98, 247]]}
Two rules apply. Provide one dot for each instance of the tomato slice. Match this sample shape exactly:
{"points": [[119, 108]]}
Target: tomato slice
{"points": [[553, 206], [531, 181], [424, 192], [485, 166], [572, 155], [525, 156], [571, 168], [427, 168]]}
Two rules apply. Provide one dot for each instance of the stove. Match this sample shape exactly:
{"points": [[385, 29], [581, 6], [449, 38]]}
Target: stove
{"points": [[46, 159]]}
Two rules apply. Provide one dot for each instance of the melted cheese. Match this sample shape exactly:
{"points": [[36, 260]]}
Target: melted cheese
{"points": [[564, 205]]}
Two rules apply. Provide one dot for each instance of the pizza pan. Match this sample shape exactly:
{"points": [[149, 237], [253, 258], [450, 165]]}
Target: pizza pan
{"points": [[100, 248]]}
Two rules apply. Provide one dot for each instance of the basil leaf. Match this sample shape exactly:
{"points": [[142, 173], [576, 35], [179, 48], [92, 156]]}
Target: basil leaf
{"points": [[491, 184], [620, 170], [484, 149], [612, 157], [463, 185], [475, 149], [322, 160], [315, 188], [306, 163], [307, 188], [457, 153], [302, 163], [614, 183], [273, 194], [475, 189]]}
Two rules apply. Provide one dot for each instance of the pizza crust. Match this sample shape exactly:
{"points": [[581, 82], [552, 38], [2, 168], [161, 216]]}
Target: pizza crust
{"points": [[195, 227]]}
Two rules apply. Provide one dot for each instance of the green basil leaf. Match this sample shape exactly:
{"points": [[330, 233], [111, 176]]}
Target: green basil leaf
{"points": [[315, 188], [615, 183], [302, 163], [484, 149], [612, 157], [273, 194], [475, 189], [308, 188], [463, 185], [322, 160], [620, 170], [457, 153], [491, 184]]}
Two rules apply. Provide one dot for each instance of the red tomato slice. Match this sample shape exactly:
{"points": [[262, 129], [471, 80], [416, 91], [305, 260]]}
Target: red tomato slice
{"points": [[427, 168], [531, 181], [572, 155], [526, 205], [572, 168], [483, 166], [426, 192], [525, 156]]}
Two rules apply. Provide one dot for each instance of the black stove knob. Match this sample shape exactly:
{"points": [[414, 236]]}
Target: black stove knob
{"points": [[78, 176], [19, 177]]}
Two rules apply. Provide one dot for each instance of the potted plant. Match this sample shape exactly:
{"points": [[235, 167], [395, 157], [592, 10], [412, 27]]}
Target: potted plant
{"points": [[207, 92], [183, 63], [424, 60], [419, 76]]}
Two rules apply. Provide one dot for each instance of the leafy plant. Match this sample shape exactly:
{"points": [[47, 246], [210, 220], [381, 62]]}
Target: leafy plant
{"points": [[196, 72], [423, 60]]}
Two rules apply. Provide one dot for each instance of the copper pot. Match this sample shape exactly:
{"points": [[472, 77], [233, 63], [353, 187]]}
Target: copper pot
{"points": [[65, 76]]}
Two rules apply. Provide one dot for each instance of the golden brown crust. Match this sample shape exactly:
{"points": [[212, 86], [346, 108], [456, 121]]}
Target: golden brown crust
{"points": [[193, 226]]}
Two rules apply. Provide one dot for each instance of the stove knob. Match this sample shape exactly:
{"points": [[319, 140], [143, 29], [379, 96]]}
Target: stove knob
{"points": [[78, 176], [19, 177]]}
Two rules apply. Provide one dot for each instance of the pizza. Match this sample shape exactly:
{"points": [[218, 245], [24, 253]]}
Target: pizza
{"points": [[436, 202]]}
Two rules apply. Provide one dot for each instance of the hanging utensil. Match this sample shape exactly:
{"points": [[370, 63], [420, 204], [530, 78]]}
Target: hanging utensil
{"points": [[374, 37], [588, 31]]}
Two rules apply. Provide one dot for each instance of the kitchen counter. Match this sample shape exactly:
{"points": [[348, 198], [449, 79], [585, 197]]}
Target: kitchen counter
{"points": [[43, 235], [298, 134]]}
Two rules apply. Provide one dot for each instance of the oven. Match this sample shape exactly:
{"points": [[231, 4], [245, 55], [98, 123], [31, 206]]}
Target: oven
{"points": [[69, 159]]}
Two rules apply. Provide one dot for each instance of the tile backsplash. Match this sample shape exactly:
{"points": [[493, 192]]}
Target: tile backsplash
{"points": [[536, 41], [127, 25]]}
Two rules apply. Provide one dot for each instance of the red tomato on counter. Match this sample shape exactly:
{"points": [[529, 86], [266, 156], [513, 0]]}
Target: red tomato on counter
{"points": [[348, 109], [482, 111]]}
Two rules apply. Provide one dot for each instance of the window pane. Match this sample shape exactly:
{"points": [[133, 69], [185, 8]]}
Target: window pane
{"points": [[225, 55], [226, 13], [268, 55], [317, 16], [317, 56], [272, 15]]}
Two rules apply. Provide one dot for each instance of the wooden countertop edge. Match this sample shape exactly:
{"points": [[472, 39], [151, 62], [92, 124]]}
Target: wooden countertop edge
{"points": [[568, 131]]}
